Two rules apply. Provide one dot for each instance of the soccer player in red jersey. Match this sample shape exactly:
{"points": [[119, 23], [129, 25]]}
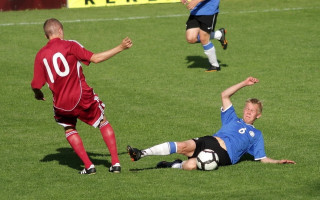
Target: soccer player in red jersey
{"points": [[58, 65]]}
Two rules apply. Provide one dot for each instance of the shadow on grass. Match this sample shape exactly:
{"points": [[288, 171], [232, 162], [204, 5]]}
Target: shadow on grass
{"points": [[142, 169], [200, 62], [66, 156], [245, 157]]}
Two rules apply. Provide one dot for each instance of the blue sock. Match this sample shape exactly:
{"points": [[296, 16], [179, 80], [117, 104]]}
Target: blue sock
{"points": [[198, 39], [173, 147], [207, 46]]}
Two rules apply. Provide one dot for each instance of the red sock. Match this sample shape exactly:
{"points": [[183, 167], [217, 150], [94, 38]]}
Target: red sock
{"points": [[77, 145], [110, 140]]}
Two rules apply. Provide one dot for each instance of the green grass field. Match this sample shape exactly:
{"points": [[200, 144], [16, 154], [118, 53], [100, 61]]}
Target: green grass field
{"points": [[158, 91]]}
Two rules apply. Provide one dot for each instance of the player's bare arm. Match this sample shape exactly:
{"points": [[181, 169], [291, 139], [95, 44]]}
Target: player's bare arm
{"points": [[193, 3], [270, 160], [226, 94], [38, 94], [105, 55], [184, 2]]}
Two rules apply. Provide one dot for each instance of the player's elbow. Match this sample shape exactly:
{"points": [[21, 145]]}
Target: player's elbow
{"points": [[95, 59], [224, 95]]}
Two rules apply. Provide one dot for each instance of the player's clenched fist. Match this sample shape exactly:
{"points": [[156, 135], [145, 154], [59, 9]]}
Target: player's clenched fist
{"points": [[126, 43], [251, 81]]}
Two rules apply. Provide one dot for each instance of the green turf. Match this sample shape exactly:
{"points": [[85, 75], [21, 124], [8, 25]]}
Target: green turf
{"points": [[158, 91]]}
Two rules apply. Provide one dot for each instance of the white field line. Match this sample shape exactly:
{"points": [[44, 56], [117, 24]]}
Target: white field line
{"points": [[159, 16]]}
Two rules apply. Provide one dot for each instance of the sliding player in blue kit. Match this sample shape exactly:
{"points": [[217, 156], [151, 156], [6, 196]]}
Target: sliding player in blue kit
{"points": [[200, 28], [235, 138]]}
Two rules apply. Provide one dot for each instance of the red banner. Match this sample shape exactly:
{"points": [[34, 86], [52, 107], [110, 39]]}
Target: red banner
{"points": [[31, 4]]}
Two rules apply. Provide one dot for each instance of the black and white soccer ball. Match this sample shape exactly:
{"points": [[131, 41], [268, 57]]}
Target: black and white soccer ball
{"points": [[207, 160]]}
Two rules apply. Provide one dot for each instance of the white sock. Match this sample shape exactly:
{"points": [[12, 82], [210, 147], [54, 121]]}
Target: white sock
{"points": [[210, 51], [163, 149], [177, 166], [216, 35]]}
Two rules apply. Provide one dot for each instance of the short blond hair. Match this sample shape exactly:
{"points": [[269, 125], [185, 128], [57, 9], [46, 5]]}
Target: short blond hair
{"points": [[257, 102]]}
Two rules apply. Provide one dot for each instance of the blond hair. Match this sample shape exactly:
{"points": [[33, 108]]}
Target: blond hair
{"points": [[257, 102]]}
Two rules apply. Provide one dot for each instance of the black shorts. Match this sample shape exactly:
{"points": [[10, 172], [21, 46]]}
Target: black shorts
{"points": [[210, 142], [206, 23]]}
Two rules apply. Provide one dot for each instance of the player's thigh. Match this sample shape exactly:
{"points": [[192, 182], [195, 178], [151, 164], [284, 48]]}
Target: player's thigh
{"points": [[207, 22], [186, 147], [67, 119], [192, 29], [192, 35], [94, 114]]}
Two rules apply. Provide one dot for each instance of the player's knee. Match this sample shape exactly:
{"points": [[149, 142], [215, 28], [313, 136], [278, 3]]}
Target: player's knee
{"points": [[191, 38], [69, 128], [71, 133], [190, 164], [186, 147], [103, 122], [182, 147]]}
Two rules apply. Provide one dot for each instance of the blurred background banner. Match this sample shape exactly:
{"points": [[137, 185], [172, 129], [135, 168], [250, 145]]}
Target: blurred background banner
{"points": [[6, 5], [96, 3]]}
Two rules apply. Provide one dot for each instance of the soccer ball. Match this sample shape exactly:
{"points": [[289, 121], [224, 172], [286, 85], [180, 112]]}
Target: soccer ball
{"points": [[207, 160]]}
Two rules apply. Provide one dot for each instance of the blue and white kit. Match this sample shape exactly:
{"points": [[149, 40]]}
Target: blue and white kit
{"points": [[239, 137], [207, 7]]}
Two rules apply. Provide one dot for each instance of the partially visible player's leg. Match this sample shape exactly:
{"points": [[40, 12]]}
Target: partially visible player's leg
{"points": [[162, 149], [110, 140], [177, 164], [66, 120], [77, 145], [221, 36], [185, 148], [192, 35], [93, 114], [215, 34], [190, 164], [192, 30], [209, 50]]}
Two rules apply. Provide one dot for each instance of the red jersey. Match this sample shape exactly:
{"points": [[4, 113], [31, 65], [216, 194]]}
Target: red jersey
{"points": [[58, 65]]}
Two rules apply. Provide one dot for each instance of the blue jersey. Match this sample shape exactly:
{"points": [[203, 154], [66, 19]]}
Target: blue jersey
{"points": [[239, 137], [207, 7]]}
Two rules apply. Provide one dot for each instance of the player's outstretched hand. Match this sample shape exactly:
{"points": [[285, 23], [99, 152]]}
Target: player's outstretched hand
{"points": [[184, 1], [287, 162], [192, 4], [126, 43], [251, 80]]}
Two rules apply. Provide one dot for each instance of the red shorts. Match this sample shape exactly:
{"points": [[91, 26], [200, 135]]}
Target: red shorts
{"points": [[89, 110]]}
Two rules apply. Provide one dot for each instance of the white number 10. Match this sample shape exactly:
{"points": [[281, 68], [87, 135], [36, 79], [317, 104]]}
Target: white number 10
{"points": [[56, 66]]}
